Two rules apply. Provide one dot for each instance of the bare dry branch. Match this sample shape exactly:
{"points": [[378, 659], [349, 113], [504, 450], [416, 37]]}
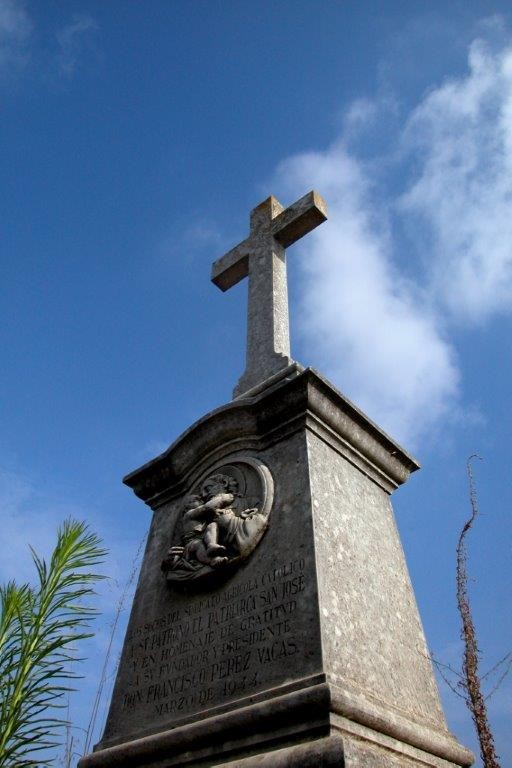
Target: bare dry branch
{"points": [[472, 684]]}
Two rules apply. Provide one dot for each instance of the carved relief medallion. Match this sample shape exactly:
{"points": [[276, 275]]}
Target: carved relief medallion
{"points": [[222, 521]]}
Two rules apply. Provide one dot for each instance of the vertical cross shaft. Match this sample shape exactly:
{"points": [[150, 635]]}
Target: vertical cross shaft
{"points": [[268, 335], [261, 257]]}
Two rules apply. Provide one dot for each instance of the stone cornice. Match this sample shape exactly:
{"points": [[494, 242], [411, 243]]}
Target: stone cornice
{"points": [[305, 401]]}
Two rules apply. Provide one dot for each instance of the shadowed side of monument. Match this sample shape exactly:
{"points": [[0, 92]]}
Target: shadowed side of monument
{"points": [[274, 623]]}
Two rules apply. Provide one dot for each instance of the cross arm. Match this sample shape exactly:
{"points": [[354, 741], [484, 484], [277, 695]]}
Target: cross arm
{"points": [[299, 219], [232, 267]]}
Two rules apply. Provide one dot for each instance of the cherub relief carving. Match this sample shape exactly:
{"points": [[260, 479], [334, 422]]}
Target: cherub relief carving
{"points": [[217, 529]]}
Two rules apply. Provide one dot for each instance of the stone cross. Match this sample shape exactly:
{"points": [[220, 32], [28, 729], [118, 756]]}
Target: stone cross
{"points": [[261, 257]]}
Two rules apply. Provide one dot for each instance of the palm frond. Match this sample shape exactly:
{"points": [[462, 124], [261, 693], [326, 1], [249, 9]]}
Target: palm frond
{"points": [[40, 628]]}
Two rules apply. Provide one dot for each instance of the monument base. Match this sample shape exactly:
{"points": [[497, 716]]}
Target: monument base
{"points": [[301, 728], [303, 646]]}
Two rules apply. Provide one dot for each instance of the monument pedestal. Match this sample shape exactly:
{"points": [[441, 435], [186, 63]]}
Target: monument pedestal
{"points": [[283, 629]]}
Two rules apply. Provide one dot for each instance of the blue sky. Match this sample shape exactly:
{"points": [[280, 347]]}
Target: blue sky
{"points": [[134, 140]]}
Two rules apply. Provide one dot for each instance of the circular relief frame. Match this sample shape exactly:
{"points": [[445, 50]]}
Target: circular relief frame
{"points": [[221, 521]]}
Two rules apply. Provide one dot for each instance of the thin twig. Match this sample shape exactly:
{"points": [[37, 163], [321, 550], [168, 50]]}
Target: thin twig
{"points": [[445, 666], [103, 676], [447, 681], [500, 680], [497, 665]]}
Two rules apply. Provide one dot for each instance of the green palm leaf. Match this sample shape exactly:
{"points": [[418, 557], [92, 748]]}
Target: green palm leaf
{"points": [[39, 629]]}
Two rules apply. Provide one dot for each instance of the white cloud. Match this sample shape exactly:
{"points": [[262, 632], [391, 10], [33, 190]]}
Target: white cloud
{"points": [[72, 40], [193, 240], [15, 31], [17, 43], [461, 139], [384, 339], [372, 330]]}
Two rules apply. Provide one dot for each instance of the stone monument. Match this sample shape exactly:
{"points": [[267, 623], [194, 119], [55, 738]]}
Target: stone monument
{"points": [[274, 623]]}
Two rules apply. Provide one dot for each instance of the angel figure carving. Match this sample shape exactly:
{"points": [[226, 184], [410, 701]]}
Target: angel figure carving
{"points": [[216, 530]]}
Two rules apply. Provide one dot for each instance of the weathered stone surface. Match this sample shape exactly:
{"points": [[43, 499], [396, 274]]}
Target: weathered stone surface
{"points": [[301, 715], [310, 650], [261, 257], [326, 752], [362, 575], [188, 652]]}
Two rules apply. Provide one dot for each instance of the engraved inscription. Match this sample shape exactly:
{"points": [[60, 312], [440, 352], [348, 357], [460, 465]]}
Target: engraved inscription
{"points": [[215, 648]]}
